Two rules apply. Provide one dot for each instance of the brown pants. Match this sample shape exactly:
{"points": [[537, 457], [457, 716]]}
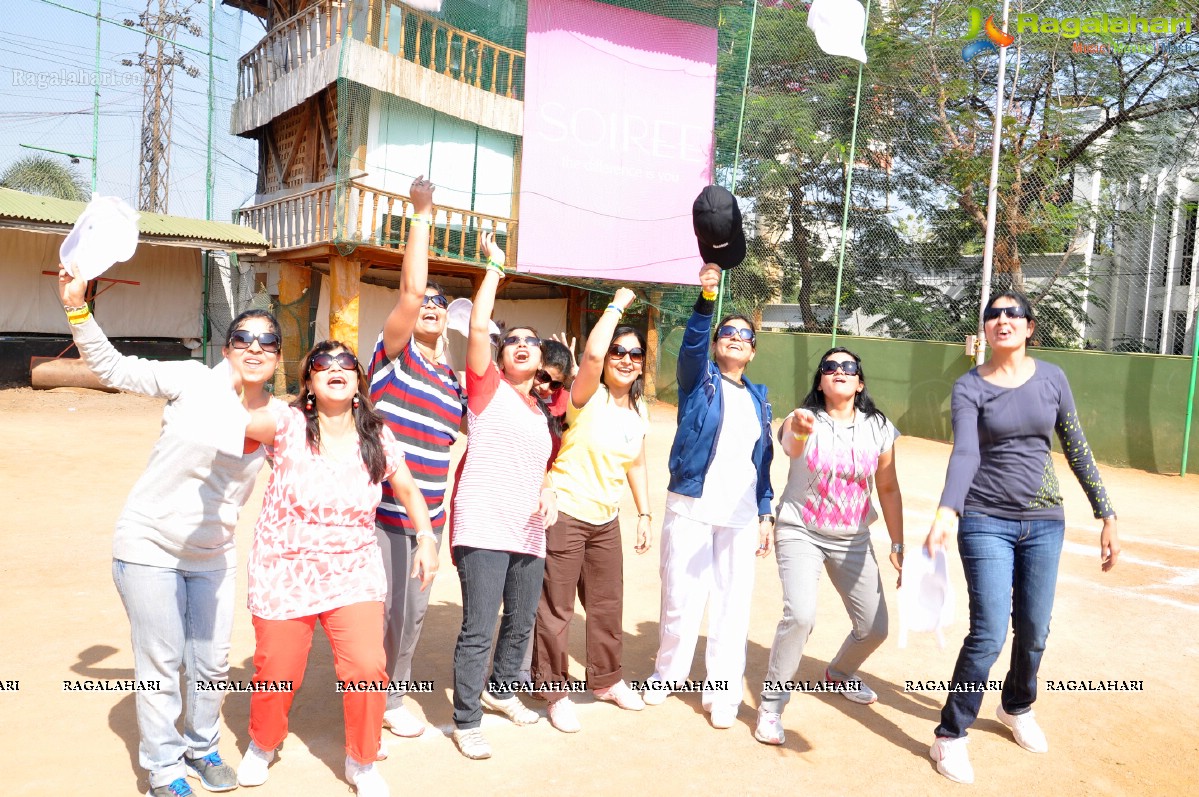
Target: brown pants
{"points": [[588, 558]]}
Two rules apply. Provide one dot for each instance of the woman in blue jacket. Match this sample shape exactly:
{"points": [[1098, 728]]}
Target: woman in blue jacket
{"points": [[717, 508]]}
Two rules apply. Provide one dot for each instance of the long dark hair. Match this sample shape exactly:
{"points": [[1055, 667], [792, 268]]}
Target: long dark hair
{"points": [[555, 424], [862, 402], [236, 323], [637, 389], [368, 422]]}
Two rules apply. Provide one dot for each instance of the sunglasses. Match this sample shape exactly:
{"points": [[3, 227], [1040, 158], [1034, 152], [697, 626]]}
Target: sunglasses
{"points": [[847, 367], [730, 331], [324, 361], [435, 299], [543, 378], [244, 339], [991, 313], [528, 340], [635, 354]]}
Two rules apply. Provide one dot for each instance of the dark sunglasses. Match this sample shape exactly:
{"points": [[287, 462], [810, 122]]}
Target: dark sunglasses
{"points": [[244, 339], [324, 361], [991, 313], [618, 352], [730, 331], [437, 300], [543, 378], [848, 367], [528, 340]]}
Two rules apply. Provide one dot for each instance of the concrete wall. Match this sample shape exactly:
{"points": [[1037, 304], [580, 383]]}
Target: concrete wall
{"points": [[1132, 406]]}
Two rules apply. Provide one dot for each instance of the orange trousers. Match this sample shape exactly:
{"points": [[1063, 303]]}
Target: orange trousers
{"points": [[281, 654]]}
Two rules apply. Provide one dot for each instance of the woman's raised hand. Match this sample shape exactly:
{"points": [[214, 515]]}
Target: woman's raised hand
{"points": [[802, 422], [422, 195], [709, 278], [623, 298], [71, 290]]}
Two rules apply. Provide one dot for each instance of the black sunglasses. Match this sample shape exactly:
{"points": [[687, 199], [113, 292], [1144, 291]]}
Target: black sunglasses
{"points": [[618, 352], [528, 340], [244, 339], [848, 367], [730, 331], [324, 361], [991, 313], [544, 378], [437, 300]]}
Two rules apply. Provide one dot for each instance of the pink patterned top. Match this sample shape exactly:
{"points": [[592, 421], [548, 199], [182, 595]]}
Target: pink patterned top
{"points": [[314, 544]]}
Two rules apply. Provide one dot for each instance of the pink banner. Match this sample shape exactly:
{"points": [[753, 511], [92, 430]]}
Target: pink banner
{"points": [[619, 114]]}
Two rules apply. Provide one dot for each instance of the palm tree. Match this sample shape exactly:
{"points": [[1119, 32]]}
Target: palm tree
{"points": [[45, 176]]}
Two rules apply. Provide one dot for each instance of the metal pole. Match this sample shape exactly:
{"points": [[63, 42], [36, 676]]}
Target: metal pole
{"points": [[96, 102], [853, 140], [208, 180], [980, 349], [753, 20]]}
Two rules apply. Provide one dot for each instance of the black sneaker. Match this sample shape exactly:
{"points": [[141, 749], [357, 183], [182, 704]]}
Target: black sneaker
{"points": [[214, 774], [176, 788]]}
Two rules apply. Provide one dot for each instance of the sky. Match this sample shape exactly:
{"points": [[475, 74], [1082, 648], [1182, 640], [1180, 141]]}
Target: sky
{"points": [[47, 60]]}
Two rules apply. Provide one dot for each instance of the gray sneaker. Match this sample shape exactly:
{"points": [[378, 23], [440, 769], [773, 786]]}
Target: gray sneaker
{"points": [[213, 773], [176, 788]]}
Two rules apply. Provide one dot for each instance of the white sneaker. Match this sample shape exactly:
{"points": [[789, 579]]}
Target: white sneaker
{"points": [[401, 722], [620, 694], [952, 759], [770, 727], [511, 708], [252, 771], [655, 693], [1026, 730], [471, 743], [366, 779], [562, 715], [723, 716]]}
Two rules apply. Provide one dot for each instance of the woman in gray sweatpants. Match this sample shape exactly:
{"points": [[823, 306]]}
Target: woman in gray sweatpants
{"points": [[841, 446]]}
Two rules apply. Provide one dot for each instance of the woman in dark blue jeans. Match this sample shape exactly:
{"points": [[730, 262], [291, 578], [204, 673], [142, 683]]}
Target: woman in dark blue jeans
{"points": [[1002, 484]]}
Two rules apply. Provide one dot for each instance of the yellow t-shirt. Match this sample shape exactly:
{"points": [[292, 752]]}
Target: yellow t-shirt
{"points": [[600, 444]]}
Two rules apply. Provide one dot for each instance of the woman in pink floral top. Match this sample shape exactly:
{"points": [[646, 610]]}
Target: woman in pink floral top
{"points": [[315, 556]]}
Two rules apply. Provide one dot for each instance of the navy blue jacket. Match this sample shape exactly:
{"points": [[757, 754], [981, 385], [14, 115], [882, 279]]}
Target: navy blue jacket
{"points": [[701, 413]]}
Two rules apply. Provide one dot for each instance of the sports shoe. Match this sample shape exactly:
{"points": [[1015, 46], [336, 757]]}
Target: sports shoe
{"points": [[252, 771], [770, 727], [862, 694], [952, 759], [213, 773], [401, 722], [562, 715], [366, 779], [723, 716], [176, 788], [382, 754], [511, 708], [620, 694], [1026, 730], [471, 743], [654, 696]]}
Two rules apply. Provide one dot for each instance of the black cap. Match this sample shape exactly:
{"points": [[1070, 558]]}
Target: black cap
{"points": [[717, 222]]}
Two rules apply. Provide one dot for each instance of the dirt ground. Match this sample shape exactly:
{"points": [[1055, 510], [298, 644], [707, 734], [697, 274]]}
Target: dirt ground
{"points": [[70, 457]]}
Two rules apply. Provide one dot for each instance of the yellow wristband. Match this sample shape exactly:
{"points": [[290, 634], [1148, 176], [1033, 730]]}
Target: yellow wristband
{"points": [[711, 297], [799, 437], [79, 317], [423, 218]]}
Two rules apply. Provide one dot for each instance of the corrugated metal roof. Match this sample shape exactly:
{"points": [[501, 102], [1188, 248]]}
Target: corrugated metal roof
{"points": [[48, 210]]}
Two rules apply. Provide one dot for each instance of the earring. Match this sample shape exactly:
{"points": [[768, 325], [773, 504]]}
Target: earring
{"points": [[355, 402], [308, 403]]}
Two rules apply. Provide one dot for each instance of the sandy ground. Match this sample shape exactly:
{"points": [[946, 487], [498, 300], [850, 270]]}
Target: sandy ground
{"points": [[70, 457]]}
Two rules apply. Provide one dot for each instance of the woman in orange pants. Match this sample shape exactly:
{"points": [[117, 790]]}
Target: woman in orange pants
{"points": [[315, 557]]}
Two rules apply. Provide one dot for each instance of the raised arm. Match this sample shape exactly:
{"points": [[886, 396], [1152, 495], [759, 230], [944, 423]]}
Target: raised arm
{"points": [[478, 342], [397, 329], [595, 351], [693, 353]]}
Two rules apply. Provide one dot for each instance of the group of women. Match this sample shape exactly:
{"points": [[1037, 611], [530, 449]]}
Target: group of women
{"points": [[355, 511]]}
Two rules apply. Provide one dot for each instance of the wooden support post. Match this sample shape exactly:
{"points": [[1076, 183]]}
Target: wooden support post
{"points": [[294, 307], [651, 344], [344, 285]]}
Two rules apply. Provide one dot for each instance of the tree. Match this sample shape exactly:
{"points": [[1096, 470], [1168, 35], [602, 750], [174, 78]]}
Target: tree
{"points": [[45, 176]]}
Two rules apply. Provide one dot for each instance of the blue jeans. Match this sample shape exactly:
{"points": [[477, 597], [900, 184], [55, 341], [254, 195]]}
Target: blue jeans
{"points": [[490, 578], [1011, 567], [178, 619]]}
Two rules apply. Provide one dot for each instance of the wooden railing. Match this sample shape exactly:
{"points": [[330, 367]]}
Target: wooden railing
{"points": [[392, 27], [366, 215]]}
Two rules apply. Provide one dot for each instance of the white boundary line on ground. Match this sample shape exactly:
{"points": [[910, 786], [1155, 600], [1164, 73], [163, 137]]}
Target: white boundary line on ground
{"points": [[1185, 576], [1128, 593]]}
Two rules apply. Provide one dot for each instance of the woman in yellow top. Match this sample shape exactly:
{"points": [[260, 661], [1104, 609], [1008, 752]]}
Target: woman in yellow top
{"points": [[602, 450]]}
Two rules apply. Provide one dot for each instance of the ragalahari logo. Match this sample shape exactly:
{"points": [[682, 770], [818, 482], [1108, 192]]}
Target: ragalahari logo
{"points": [[986, 36]]}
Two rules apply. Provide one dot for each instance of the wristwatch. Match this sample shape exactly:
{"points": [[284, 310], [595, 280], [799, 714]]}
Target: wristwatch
{"points": [[897, 547], [766, 517]]}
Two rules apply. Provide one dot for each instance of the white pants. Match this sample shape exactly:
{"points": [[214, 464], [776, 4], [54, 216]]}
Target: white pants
{"points": [[713, 566]]}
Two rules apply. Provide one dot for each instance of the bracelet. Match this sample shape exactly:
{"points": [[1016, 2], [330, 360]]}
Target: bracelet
{"points": [[79, 316], [423, 218], [426, 534], [897, 547], [618, 310], [711, 297], [70, 310], [649, 515], [799, 438]]}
